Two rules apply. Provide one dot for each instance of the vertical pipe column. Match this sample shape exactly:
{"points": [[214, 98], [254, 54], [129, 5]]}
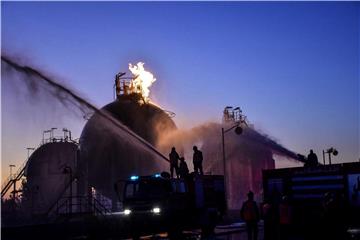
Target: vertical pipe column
{"points": [[224, 166]]}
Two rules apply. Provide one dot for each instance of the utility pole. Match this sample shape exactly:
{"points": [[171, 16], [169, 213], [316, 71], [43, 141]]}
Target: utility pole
{"points": [[12, 178], [238, 131], [11, 166], [224, 164], [329, 152], [234, 116]]}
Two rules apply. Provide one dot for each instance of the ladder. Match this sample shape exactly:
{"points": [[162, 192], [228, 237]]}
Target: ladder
{"points": [[11, 180]]}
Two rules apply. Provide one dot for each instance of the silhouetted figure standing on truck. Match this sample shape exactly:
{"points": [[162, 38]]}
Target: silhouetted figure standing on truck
{"points": [[197, 160], [312, 159], [174, 157], [183, 168], [250, 214]]}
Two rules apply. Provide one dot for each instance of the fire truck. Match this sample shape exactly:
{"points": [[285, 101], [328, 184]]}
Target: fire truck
{"points": [[308, 188], [158, 203]]}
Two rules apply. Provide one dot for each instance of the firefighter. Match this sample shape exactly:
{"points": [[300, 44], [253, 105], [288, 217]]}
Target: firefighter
{"points": [[197, 161], [269, 213], [174, 157], [183, 168], [312, 159], [285, 218], [250, 214]]}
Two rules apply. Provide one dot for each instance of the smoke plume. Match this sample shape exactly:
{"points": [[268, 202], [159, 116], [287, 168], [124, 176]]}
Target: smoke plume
{"points": [[246, 155]]}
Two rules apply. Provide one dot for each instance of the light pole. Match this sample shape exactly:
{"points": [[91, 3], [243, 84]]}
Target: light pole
{"points": [[238, 131], [330, 151], [12, 178], [11, 166]]}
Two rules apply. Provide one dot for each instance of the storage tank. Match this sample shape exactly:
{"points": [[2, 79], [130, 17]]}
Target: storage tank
{"points": [[107, 155], [48, 174]]}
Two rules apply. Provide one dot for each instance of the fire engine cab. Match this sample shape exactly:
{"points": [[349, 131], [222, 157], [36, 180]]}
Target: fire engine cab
{"points": [[158, 203]]}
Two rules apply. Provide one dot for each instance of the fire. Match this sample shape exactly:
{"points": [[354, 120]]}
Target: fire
{"points": [[142, 79]]}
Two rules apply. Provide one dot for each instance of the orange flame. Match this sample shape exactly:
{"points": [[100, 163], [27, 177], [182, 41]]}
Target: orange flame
{"points": [[142, 79]]}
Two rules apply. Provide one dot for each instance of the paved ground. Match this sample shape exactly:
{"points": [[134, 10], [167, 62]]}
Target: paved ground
{"points": [[225, 232], [235, 232]]}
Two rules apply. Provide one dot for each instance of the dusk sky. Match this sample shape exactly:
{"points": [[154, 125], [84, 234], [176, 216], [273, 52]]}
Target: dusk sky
{"points": [[292, 67]]}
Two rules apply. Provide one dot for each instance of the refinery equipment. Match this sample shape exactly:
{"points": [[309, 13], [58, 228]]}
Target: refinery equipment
{"points": [[66, 179], [49, 174], [105, 156], [43, 176]]}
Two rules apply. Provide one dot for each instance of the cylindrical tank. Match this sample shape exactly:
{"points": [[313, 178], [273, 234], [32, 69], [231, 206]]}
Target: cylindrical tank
{"points": [[46, 176], [108, 155]]}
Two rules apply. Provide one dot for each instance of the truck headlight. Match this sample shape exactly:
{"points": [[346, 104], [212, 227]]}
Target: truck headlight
{"points": [[156, 210], [127, 211]]}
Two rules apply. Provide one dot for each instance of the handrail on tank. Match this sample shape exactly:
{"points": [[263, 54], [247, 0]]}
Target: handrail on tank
{"points": [[80, 204], [58, 139], [53, 138]]}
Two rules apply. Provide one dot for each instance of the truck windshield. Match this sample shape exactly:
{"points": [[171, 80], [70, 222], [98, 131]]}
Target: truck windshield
{"points": [[148, 188]]}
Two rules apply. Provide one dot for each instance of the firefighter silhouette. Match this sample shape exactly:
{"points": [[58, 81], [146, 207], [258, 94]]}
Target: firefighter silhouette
{"points": [[183, 168], [250, 214], [312, 159], [174, 157], [197, 161]]}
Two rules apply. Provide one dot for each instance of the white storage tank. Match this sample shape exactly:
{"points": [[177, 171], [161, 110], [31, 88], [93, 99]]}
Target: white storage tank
{"points": [[48, 173]]}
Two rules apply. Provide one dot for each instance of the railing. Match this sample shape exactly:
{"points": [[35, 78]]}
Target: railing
{"points": [[58, 139], [80, 204], [15, 177]]}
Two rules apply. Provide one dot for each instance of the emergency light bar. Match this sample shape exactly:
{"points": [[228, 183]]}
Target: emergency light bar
{"points": [[134, 178]]}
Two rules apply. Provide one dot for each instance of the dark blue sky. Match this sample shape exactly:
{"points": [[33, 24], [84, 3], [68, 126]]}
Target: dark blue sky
{"points": [[292, 67]]}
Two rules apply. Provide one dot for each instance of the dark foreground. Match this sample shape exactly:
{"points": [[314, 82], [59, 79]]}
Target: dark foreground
{"points": [[235, 231], [73, 231]]}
